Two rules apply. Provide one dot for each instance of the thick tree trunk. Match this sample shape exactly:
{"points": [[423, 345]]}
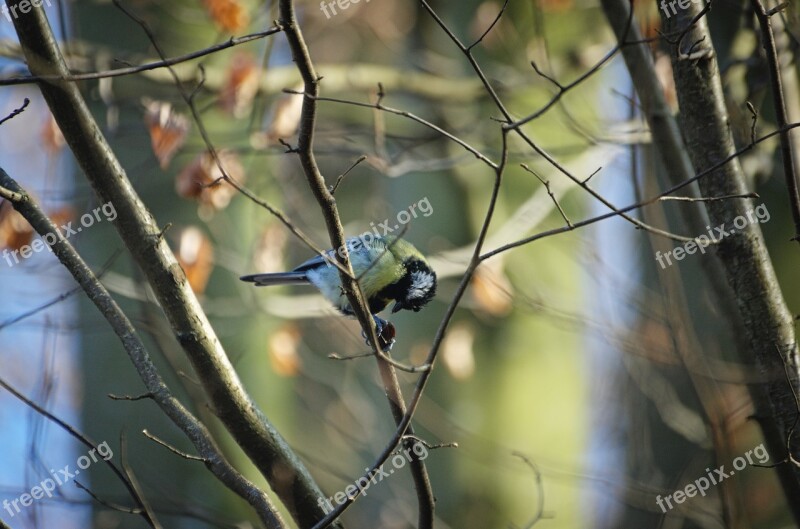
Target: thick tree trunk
{"points": [[768, 327]]}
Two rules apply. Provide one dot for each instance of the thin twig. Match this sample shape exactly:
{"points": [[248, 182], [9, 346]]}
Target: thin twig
{"points": [[508, 123], [61, 297], [779, 104], [85, 440], [491, 26], [172, 448], [636, 205], [123, 455], [339, 179], [16, 112], [106, 503], [472, 150], [131, 398], [539, 514], [212, 150], [546, 184], [163, 63], [710, 199]]}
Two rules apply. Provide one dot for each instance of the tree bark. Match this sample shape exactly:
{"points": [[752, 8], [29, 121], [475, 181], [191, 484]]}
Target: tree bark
{"points": [[767, 322], [252, 431]]}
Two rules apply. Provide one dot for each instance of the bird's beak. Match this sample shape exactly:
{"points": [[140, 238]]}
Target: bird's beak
{"points": [[397, 307]]}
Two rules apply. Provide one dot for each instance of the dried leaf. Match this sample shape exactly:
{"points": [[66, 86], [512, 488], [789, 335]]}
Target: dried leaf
{"points": [[195, 254], [52, 138], [229, 15], [270, 247], [484, 17], [241, 85], [491, 289], [285, 120], [457, 352], [283, 355], [202, 179], [15, 232], [663, 68], [556, 6], [62, 215], [168, 130]]}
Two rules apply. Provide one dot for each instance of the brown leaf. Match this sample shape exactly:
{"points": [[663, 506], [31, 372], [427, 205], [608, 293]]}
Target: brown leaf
{"points": [[241, 85], [555, 6], [229, 15], [457, 351], [15, 232], [286, 114], [283, 355], [52, 138], [663, 66], [491, 289], [168, 130], [485, 15], [270, 247], [62, 215], [202, 179], [195, 254]]}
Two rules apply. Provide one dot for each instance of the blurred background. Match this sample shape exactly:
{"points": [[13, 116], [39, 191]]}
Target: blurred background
{"points": [[559, 378]]}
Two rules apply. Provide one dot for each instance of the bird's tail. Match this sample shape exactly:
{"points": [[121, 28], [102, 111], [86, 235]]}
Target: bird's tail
{"points": [[281, 278]]}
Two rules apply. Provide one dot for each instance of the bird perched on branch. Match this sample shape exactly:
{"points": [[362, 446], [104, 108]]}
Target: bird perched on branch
{"points": [[387, 268]]}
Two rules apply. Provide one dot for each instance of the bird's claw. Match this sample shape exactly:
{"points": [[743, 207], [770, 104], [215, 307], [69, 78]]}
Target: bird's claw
{"points": [[385, 332]]}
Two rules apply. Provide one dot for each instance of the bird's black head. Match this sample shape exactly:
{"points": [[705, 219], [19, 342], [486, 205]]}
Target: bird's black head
{"points": [[417, 287]]}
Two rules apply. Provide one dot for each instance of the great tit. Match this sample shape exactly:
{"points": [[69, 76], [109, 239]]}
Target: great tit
{"points": [[388, 268]]}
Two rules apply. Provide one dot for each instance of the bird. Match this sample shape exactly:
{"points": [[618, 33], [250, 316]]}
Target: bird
{"points": [[388, 268]]}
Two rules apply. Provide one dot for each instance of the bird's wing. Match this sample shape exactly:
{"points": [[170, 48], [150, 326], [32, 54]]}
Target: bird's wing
{"points": [[353, 244], [312, 263]]}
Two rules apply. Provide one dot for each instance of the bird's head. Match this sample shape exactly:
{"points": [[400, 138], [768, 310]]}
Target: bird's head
{"points": [[417, 287]]}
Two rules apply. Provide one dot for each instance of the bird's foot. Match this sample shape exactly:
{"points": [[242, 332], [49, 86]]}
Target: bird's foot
{"points": [[385, 332]]}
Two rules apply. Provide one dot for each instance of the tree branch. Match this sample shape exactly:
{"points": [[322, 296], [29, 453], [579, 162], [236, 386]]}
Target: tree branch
{"points": [[286, 473], [748, 270], [778, 102], [351, 287], [197, 433]]}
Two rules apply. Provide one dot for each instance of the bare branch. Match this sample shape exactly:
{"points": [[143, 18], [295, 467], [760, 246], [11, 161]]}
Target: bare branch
{"points": [[194, 430], [339, 178], [17, 111], [491, 26], [746, 264], [352, 289], [172, 448], [137, 227], [709, 199], [546, 184], [779, 103], [123, 449], [163, 63], [86, 441]]}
